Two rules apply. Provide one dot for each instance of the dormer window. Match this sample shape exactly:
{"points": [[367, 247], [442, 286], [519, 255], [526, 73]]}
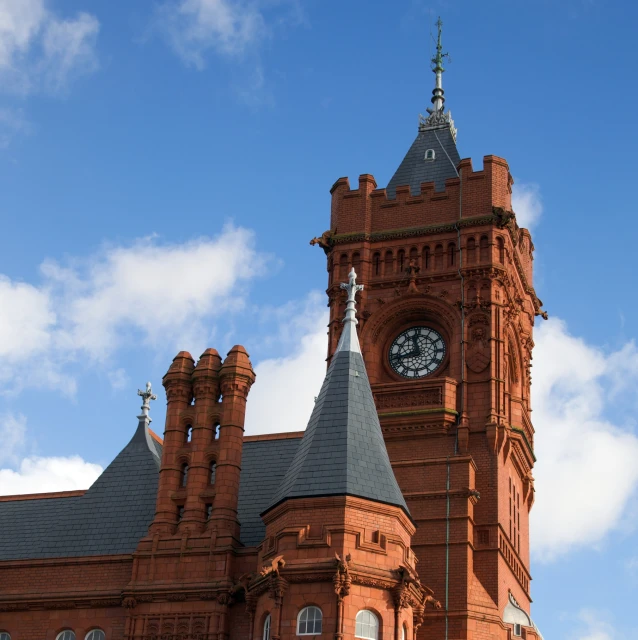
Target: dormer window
{"points": [[429, 154]]}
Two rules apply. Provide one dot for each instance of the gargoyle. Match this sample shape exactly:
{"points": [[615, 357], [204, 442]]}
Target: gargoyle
{"points": [[275, 565], [435, 603], [342, 565], [243, 582], [325, 241]]}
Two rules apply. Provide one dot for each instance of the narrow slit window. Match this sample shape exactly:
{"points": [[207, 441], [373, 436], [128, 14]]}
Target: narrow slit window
{"points": [[184, 479]]}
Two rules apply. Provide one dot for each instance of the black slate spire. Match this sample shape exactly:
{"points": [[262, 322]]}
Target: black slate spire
{"points": [[342, 451], [433, 156]]}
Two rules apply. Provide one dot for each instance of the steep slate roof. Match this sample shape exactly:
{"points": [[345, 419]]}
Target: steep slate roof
{"points": [[415, 169], [121, 503], [342, 451], [263, 467], [109, 519]]}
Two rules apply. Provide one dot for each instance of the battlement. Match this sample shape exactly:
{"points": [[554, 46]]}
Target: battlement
{"points": [[369, 209]]}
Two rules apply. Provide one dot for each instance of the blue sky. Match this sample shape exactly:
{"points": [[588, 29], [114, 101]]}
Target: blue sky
{"points": [[163, 166]]}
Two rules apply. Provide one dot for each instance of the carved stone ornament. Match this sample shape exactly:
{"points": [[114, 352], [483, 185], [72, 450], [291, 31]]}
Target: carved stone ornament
{"points": [[342, 580], [478, 350], [129, 603]]}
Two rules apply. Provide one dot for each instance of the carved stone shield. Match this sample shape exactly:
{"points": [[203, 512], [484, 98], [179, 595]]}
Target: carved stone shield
{"points": [[478, 352]]}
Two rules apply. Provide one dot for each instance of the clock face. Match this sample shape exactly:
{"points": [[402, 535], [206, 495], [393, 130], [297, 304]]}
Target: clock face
{"points": [[417, 352]]}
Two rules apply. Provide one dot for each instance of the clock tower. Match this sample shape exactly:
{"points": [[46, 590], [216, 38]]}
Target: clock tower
{"points": [[446, 322]]}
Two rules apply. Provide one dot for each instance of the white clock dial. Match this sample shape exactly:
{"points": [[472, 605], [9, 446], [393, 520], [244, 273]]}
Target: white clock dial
{"points": [[417, 352]]}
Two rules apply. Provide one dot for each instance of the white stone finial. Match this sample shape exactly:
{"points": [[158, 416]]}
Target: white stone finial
{"points": [[147, 396], [349, 340]]}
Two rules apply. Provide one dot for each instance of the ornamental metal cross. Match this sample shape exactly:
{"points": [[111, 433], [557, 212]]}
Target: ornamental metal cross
{"points": [[147, 396], [351, 286]]}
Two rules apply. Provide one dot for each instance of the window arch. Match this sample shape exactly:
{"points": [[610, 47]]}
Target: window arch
{"points": [[4, 635], [471, 251], [367, 625], [387, 267], [401, 260], [484, 249], [404, 632], [426, 257], [267, 623], [212, 471], [309, 621], [451, 254], [500, 245], [343, 266], [67, 634], [95, 634], [188, 436], [438, 256], [356, 261], [429, 154], [184, 478], [376, 264]]}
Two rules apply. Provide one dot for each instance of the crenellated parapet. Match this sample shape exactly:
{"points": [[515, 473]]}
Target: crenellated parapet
{"points": [[473, 193]]}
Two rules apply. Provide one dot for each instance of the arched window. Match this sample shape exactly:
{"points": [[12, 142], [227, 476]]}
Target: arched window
{"points": [[387, 269], [367, 626], [356, 261], [212, 468], [67, 634], [216, 432], [401, 260], [471, 251], [426, 257], [189, 433], [95, 634], [376, 264], [438, 256], [404, 632], [429, 154], [266, 634], [4, 635], [309, 621], [343, 266], [500, 245], [484, 249], [451, 254], [184, 474]]}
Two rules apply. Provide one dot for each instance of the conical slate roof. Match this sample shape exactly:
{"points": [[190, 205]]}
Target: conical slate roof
{"points": [[416, 169], [342, 451]]}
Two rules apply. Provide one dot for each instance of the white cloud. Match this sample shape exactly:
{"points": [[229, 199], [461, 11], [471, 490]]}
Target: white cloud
{"points": [[41, 51], [26, 320], [586, 471], [13, 428], [161, 295], [593, 626], [283, 395], [44, 475], [227, 27], [527, 204]]}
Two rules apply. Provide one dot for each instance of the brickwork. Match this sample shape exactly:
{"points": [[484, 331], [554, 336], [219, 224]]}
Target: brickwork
{"points": [[461, 439], [460, 442]]}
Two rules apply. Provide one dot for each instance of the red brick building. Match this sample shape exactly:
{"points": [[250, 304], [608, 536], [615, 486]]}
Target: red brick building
{"points": [[402, 510]]}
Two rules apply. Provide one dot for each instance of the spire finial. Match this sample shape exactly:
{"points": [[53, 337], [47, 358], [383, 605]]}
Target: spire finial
{"points": [[437, 118], [147, 396], [437, 68], [349, 340]]}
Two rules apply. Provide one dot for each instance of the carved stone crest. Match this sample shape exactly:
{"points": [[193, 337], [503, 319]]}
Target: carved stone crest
{"points": [[478, 350]]}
